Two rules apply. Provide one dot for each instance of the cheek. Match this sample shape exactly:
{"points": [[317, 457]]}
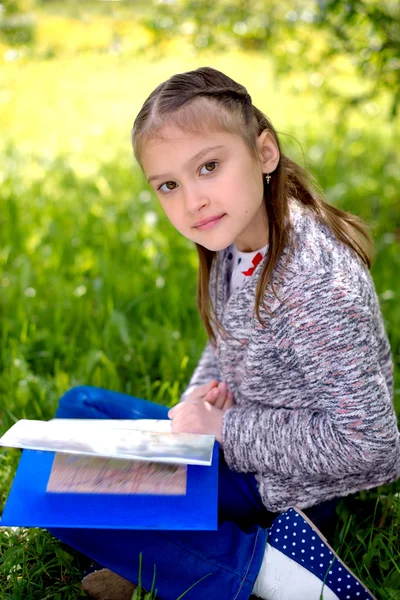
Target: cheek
{"points": [[248, 188], [167, 208], [172, 212]]}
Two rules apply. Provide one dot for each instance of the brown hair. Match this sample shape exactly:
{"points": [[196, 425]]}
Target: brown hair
{"points": [[185, 100]]}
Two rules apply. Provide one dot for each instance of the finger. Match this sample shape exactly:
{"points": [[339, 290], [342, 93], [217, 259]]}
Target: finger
{"points": [[217, 396], [213, 383], [211, 396], [222, 395], [204, 389], [201, 390], [228, 402]]}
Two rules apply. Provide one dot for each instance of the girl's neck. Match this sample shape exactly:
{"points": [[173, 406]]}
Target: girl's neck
{"points": [[252, 251], [256, 234]]}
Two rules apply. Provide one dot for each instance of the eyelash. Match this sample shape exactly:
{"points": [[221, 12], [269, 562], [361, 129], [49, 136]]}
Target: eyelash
{"points": [[209, 162]]}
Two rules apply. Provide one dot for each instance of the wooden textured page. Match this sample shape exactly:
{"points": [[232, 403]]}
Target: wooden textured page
{"points": [[73, 473]]}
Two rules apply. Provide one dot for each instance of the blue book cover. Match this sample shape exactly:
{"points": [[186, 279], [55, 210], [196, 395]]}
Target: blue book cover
{"points": [[32, 502]]}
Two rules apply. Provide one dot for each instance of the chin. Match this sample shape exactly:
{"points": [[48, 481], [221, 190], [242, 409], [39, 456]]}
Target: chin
{"points": [[215, 247]]}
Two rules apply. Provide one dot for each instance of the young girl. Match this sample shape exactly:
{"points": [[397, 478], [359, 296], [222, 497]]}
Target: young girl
{"points": [[296, 379]]}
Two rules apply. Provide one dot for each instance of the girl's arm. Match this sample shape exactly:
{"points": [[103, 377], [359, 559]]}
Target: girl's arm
{"points": [[339, 418]]}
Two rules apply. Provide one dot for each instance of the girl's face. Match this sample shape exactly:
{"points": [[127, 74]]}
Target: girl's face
{"points": [[211, 186]]}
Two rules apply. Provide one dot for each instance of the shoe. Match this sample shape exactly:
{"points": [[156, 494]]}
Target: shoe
{"points": [[102, 584], [297, 538]]}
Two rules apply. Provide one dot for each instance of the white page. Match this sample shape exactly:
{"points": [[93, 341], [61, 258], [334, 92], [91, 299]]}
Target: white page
{"points": [[147, 440], [155, 425]]}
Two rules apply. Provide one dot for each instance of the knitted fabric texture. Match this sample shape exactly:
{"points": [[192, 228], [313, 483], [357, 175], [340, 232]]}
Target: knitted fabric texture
{"points": [[313, 386]]}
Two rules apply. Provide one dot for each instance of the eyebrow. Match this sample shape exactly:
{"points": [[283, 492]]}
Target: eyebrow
{"points": [[194, 158]]}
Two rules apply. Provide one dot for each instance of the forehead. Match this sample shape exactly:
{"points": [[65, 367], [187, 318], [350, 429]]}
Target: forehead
{"points": [[171, 134], [172, 147]]}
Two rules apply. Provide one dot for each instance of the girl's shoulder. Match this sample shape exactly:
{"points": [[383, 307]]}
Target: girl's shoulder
{"points": [[315, 248]]}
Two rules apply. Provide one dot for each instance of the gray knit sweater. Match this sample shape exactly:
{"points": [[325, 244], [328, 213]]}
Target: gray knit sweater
{"points": [[313, 415]]}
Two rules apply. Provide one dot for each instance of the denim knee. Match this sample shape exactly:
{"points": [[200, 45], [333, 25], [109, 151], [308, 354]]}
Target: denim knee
{"points": [[87, 402], [77, 400]]}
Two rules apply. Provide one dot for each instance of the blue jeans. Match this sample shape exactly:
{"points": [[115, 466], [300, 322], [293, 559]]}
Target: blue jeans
{"points": [[226, 561]]}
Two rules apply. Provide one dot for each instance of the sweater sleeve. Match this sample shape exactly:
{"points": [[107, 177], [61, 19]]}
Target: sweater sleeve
{"points": [[206, 370], [343, 420]]}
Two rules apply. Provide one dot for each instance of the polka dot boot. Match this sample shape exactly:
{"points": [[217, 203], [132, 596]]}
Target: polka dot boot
{"points": [[312, 563]]}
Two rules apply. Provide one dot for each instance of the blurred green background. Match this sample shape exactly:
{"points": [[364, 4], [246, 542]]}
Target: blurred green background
{"points": [[95, 286]]}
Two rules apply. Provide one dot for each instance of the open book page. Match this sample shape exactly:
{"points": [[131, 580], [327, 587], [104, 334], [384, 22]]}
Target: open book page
{"points": [[131, 439], [72, 473]]}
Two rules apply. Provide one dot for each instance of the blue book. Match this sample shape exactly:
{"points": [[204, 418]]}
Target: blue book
{"points": [[121, 493]]}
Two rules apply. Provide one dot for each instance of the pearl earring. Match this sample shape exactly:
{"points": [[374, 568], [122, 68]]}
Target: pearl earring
{"points": [[267, 178]]}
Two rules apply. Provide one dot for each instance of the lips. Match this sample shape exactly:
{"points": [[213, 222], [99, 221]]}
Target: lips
{"points": [[209, 222]]}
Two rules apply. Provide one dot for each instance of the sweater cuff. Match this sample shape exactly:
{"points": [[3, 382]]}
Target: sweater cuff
{"points": [[238, 441]]}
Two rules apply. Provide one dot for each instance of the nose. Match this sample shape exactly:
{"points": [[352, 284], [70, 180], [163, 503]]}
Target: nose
{"points": [[195, 199]]}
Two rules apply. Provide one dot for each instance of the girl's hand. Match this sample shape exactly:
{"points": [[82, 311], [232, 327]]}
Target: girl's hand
{"points": [[220, 397], [197, 416], [201, 390], [214, 392]]}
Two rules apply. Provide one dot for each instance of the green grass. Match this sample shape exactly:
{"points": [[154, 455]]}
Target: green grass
{"points": [[97, 288]]}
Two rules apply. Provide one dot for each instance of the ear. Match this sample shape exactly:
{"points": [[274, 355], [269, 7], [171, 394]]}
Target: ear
{"points": [[269, 151]]}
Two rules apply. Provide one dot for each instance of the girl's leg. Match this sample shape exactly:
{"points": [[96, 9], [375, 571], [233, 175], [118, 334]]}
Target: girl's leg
{"points": [[228, 559], [86, 402], [295, 564], [231, 559]]}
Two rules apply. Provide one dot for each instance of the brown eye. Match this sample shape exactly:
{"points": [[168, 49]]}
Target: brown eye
{"points": [[168, 186], [209, 167]]}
